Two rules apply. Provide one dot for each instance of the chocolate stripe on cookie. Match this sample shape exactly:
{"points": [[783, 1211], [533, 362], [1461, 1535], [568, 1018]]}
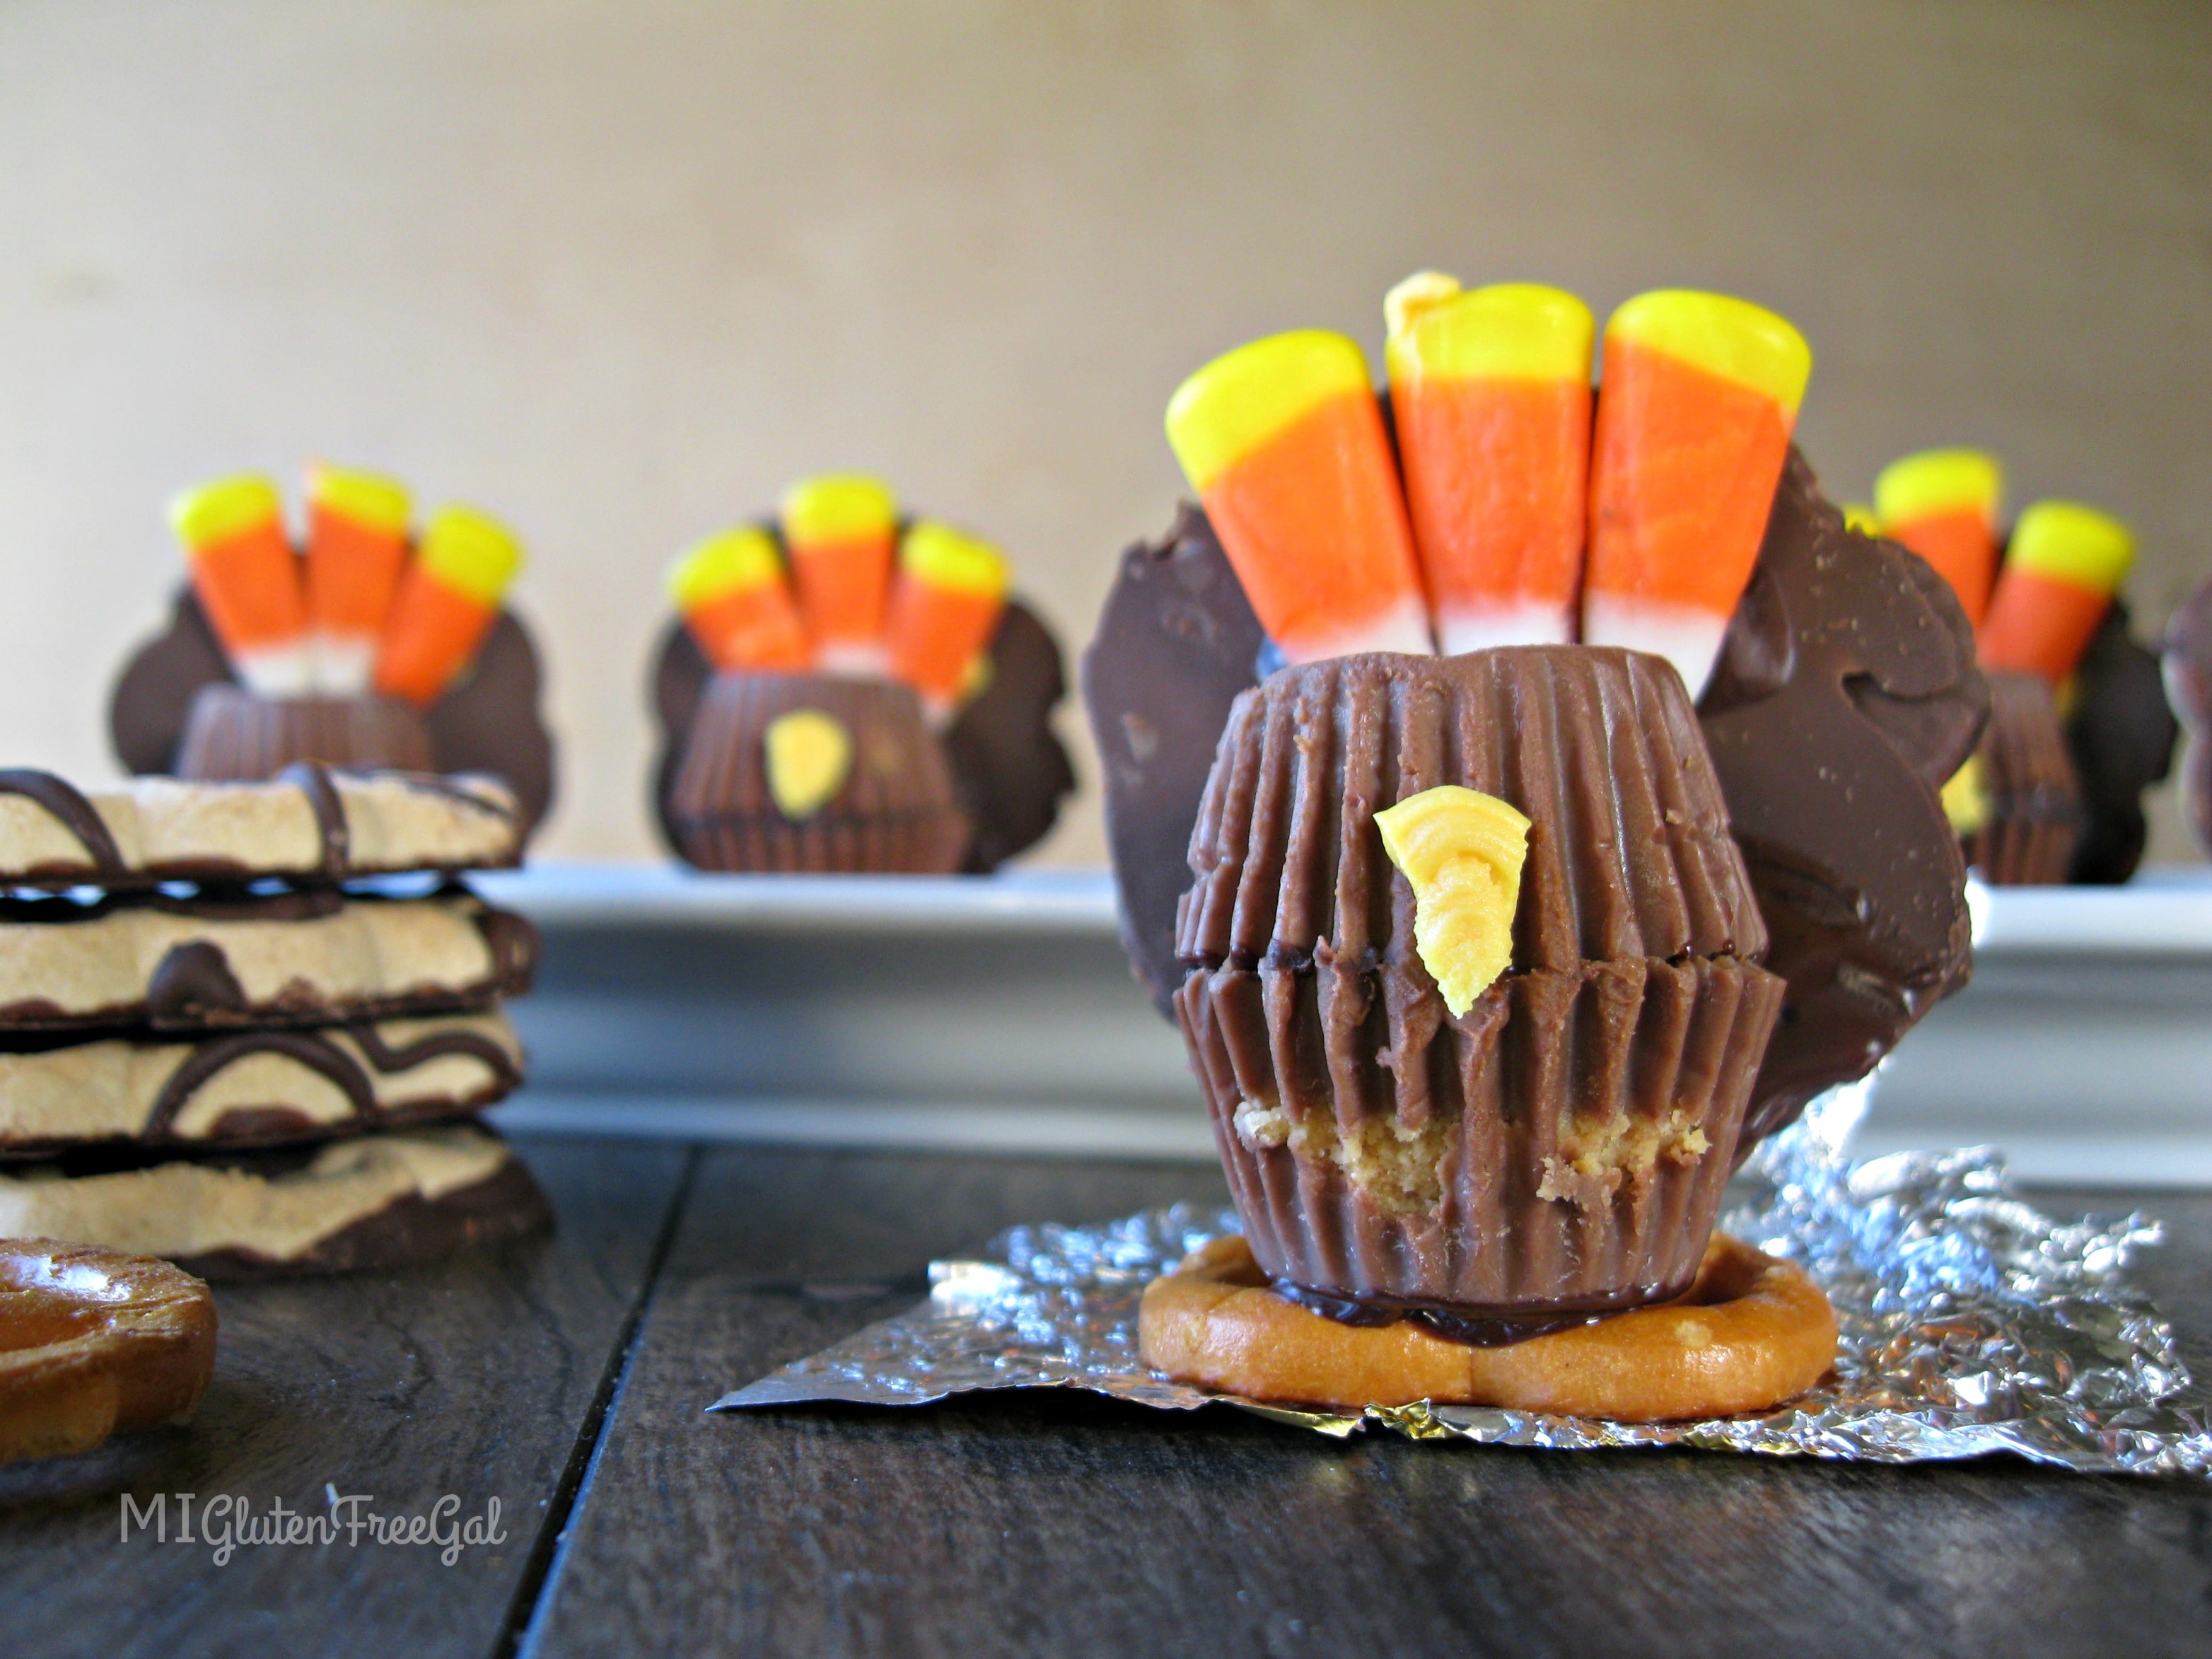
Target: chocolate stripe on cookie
{"points": [[314, 779], [252, 1088], [298, 958], [71, 809]]}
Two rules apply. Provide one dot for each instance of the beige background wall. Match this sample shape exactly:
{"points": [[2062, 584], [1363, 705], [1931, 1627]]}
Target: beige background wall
{"points": [[618, 270]]}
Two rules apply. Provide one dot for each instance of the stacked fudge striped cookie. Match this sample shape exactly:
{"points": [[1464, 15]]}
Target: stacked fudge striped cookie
{"points": [[245, 1026]]}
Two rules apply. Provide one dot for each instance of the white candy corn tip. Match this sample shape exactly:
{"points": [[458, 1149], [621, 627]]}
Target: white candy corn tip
{"points": [[277, 671], [1403, 628], [859, 659], [1687, 637], [341, 665], [1484, 628]]}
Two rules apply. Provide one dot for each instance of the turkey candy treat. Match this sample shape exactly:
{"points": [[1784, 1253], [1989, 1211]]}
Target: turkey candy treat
{"points": [[93, 1343], [367, 647], [849, 691], [1855, 870], [1470, 966], [2079, 726], [1409, 917], [2068, 755], [375, 1201]]}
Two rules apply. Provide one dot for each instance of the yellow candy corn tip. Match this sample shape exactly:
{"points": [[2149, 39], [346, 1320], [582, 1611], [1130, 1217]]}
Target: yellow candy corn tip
{"points": [[1419, 294], [471, 552], [215, 512], [1461, 852], [809, 755], [838, 506], [1240, 400], [1967, 797], [2074, 544], [723, 564], [1723, 335], [1938, 481], [370, 499], [945, 557], [1863, 519], [1509, 331]]}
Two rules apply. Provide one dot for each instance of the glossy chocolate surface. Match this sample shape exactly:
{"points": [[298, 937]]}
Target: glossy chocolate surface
{"points": [[1846, 693], [1176, 643]]}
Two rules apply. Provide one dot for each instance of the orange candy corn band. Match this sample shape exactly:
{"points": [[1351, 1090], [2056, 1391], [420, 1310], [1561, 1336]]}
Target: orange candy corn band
{"points": [[1283, 442], [945, 607], [448, 602], [841, 533], [731, 591], [247, 580], [1961, 549], [357, 552], [1943, 504], [2067, 562], [1491, 396], [750, 627], [434, 631], [1699, 396]]}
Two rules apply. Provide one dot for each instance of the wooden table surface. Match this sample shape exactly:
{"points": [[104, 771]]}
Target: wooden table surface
{"points": [[567, 1379]]}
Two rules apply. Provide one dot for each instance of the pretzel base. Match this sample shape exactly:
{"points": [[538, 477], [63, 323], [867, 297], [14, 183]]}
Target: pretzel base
{"points": [[1750, 1333], [94, 1342]]}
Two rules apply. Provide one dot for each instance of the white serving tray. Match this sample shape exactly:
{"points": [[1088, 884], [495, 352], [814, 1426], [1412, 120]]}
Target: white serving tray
{"points": [[998, 1012]]}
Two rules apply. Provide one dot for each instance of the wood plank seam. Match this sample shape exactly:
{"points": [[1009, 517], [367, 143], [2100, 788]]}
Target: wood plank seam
{"points": [[542, 1571]]}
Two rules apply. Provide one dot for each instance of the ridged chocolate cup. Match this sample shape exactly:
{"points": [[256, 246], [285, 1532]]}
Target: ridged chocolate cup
{"points": [[233, 735], [894, 814], [1563, 1144], [2035, 813]]}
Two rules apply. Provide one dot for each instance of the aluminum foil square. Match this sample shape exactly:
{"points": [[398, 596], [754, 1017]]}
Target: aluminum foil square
{"points": [[1971, 1323]]}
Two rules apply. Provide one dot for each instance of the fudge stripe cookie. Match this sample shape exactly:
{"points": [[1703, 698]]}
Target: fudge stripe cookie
{"points": [[257, 1086], [310, 957], [310, 823], [386, 1201]]}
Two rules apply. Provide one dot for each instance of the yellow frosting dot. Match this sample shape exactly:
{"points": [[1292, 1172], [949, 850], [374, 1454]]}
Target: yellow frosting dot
{"points": [[809, 754], [1461, 851]]}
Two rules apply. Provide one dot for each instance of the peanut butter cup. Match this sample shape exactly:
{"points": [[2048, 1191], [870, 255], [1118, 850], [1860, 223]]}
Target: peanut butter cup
{"points": [[1560, 1147], [814, 773], [2030, 815]]}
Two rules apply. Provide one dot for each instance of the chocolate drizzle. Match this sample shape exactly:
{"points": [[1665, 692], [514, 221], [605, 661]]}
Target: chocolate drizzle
{"points": [[317, 783], [191, 983], [1474, 1327], [194, 988], [438, 1045], [312, 780], [68, 807], [313, 1050]]}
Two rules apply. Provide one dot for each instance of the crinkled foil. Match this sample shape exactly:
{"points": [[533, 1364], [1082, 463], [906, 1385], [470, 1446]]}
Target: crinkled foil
{"points": [[1971, 1324]]}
